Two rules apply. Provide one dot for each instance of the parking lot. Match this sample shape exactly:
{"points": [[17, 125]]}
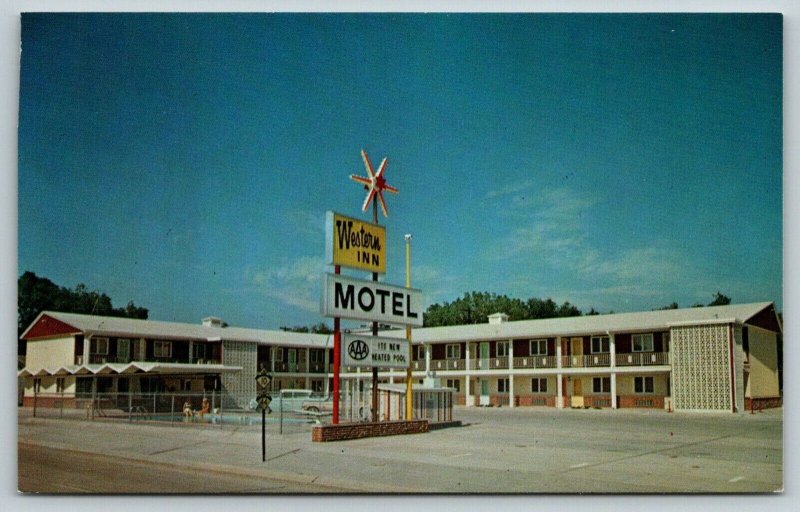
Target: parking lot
{"points": [[497, 450]]}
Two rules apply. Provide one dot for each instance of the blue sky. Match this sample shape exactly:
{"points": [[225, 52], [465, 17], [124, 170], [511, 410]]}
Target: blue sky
{"points": [[186, 162]]}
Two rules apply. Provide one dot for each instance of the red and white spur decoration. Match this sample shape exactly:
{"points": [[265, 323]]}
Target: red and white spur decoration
{"points": [[375, 183]]}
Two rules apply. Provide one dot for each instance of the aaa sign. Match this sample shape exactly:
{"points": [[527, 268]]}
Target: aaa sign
{"points": [[345, 297], [369, 351], [354, 243]]}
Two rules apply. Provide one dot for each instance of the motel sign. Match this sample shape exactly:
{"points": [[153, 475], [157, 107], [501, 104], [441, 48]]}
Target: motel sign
{"points": [[357, 299]]}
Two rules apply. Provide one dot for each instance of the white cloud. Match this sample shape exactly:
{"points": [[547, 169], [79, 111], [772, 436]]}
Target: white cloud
{"points": [[296, 283], [512, 188]]}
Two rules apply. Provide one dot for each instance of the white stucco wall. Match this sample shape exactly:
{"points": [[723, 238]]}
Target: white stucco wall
{"points": [[50, 353]]}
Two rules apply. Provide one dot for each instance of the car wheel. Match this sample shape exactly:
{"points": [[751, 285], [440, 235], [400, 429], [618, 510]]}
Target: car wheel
{"points": [[313, 409]]}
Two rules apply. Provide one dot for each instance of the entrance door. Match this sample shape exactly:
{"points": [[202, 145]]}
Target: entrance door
{"points": [[484, 392], [577, 393], [483, 363], [292, 359], [576, 351], [123, 350]]}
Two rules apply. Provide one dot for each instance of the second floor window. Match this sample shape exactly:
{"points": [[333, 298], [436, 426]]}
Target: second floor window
{"points": [[538, 347], [453, 351], [162, 349], [600, 345], [279, 355], [419, 350], [99, 346], [642, 342], [502, 349], [316, 356]]}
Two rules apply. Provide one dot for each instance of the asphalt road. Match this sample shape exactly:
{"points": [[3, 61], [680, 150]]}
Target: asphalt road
{"points": [[525, 450], [56, 471]]}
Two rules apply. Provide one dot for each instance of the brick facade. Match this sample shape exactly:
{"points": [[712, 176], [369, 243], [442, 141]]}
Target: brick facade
{"points": [[343, 432]]}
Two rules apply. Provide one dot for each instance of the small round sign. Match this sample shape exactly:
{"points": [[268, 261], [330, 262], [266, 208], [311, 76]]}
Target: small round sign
{"points": [[358, 349]]}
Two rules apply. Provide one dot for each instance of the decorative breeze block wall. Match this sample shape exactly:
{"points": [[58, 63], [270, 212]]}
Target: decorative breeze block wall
{"points": [[701, 367]]}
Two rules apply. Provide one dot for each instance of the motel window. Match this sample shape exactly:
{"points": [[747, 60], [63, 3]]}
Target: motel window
{"points": [[539, 385], [279, 355], [316, 356], [419, 351], [502, 349], [99, 346], [60, 385], [538, 347], [453, 351], [317, 386], [643, 385], [600, 345], [199, 351], [455, 384], [37, 385], [601, 384], [502, 385], [83, 386], [162, 349], [642, 342]]}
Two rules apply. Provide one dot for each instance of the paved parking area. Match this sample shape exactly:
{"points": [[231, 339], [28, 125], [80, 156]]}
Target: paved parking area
{"points": [[498, 450]]}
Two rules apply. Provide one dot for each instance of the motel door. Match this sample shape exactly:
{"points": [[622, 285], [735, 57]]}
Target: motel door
{"points": [[123, 351], [484, 392], [577, 392], [292, 360], [576, 351], [483, 364]]}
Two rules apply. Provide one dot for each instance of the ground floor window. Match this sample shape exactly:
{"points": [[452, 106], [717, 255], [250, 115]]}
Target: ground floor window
{"points": [[539, 385], [455, 384], [316, 386], [83, 386], [643, 385], [502, 385], [601, 384]]}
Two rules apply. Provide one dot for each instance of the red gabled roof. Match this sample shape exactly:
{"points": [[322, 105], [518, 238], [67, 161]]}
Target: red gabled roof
{"points": [[46, 325]]}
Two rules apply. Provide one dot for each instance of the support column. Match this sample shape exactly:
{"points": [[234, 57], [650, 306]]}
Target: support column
{"points": [[86, 345], [308, 368], [613, 364], [428, 350], [467, 372], [511, 373], [559, 377], [325, 370]]}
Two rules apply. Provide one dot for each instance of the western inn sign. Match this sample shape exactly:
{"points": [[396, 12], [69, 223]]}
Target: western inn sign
{"points": [[354, 243], [357, 299]]}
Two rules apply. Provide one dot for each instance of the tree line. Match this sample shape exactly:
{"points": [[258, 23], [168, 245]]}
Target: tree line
{"points": [[36, 294], [475, 308]]}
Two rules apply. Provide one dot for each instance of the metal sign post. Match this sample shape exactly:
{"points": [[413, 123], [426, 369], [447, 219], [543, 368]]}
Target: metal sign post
{"points": [[262, 382]]}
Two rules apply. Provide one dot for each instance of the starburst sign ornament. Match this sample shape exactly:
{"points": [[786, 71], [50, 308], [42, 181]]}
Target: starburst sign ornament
{"points": [[375, 183]]}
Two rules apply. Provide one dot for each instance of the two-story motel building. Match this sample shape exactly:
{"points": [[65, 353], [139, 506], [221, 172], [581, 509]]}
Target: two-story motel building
{"points": [[721, 358]]}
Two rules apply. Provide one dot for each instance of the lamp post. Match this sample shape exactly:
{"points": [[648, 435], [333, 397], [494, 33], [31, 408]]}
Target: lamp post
{"points": [[409, 395]]}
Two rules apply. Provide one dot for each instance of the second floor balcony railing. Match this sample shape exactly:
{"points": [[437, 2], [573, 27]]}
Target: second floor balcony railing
{"points": [[535, 362], [583, 361], [642, 359]]}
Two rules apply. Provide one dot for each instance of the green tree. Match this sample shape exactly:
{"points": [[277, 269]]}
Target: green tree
{"points": [[720, 300], [36, 294]]}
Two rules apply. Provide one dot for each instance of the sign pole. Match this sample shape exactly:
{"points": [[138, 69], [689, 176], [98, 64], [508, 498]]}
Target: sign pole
{"points": [[375, 333], [263, 435], [409, 394], [337, 358]]}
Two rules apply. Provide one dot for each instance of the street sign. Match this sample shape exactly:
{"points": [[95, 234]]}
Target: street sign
{"points": [[371, 301], [374, 351]]}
